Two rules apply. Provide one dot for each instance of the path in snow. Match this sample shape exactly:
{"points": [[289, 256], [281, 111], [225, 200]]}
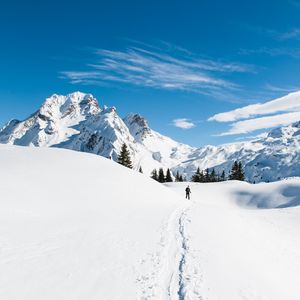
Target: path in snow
{"points": [[189, 285], [174, 268], [87, 228], [227, 248]]}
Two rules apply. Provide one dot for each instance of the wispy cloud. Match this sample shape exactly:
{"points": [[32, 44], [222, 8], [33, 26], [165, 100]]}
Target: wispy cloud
{"points": [[291, 33], [276, 51], [183, 123], [278, 112], [287, 89], [287, 103], [174, 69], [251, 125]]}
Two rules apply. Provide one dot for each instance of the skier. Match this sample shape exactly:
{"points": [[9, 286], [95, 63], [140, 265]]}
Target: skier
{"points": [[187, 192]]}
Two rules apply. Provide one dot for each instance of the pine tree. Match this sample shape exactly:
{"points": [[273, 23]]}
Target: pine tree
{"points": [[141, 170], [168, 176], [207, 176], [196, 176], [124, 157], [180, 178], [201, 177], [223, 176], [213, 176], [237, 172], [241, 173], [234, 171], [161, 175], [177, 177], [154, 175]]}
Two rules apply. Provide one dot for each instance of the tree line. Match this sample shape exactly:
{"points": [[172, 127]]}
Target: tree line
{"points": [[236, 173], [160, 176]]}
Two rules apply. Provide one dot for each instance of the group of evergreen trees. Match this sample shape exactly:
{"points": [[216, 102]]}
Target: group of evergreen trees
{"points": [[237, 171], [160, 175], [179, 177], [208, 176]]}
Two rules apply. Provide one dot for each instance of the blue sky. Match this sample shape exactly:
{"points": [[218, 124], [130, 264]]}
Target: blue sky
{"points": [[178, 63]]}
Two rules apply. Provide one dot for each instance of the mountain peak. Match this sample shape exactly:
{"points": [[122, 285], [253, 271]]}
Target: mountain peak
{"points": [[75, 121], [137, 125], [72, 105]]}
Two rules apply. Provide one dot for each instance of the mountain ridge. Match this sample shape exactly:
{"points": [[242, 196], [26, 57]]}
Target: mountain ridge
{"points": [[77, 122]]}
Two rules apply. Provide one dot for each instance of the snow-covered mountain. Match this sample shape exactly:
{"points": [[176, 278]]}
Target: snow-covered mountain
{"points": [[77, 122], [270, 158]]}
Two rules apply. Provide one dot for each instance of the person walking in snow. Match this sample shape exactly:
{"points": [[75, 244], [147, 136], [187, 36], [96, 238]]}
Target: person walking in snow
{"points": [[187, 192]]}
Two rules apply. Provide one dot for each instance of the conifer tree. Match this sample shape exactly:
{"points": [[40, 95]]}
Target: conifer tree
{"points": [[168, 176], [161, 175], [241, 173], [180, 178], [223, 176], [202, 177], [177, 177], [207, 176], [196, 176], [213, 177], [154, 175], [237, 172], [234, 171], [124, 157], [141, 170]]}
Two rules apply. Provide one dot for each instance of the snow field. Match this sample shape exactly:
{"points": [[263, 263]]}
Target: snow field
{"points": [[78, 226]]}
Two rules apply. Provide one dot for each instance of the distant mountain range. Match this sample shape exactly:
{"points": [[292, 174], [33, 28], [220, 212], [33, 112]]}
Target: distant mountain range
{"points": [[77, 122]]}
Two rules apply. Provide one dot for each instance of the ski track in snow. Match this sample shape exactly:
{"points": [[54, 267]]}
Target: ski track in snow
{"points": [[175, 271], [189, 284]]}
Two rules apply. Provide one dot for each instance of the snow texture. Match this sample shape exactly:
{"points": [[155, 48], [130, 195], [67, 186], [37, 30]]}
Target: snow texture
{"points": [[79, 226]]}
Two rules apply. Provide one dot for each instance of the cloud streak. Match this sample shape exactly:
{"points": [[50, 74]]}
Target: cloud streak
{"points": [[279, 51], [280, 35], [251, 125], [288, 103], [278, 112], [178, 70], [183, 123]]}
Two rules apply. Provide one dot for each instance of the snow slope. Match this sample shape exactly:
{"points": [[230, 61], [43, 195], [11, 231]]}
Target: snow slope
{"points": [[79, 226], [241, 241]]}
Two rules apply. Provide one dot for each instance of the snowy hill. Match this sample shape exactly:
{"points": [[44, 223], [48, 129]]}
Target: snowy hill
{"points": [[79, 226], [73, 225], [77, 122]]}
